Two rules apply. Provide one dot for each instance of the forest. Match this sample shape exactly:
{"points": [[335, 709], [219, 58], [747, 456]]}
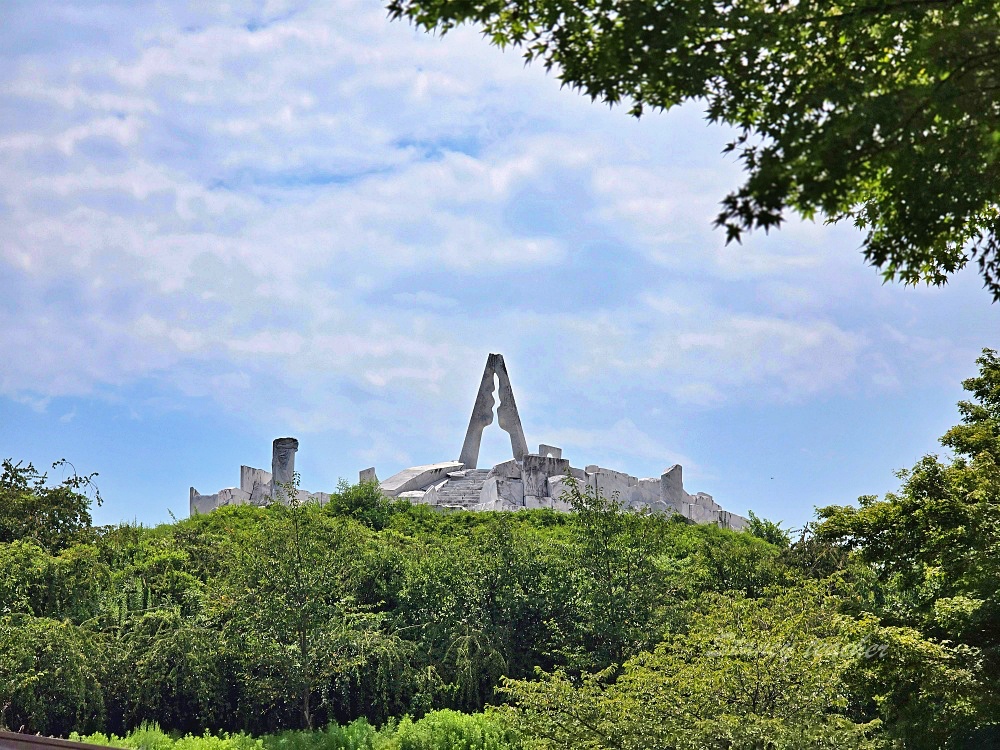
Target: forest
{"points": [[370, 623]]}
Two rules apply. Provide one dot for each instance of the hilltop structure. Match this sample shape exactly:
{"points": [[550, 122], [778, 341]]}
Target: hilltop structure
{"points": [[258, 487], [527, 480]]}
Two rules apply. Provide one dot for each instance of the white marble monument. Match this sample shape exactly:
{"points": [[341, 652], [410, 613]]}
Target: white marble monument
{"points": [[526, 481], [538, 480]]}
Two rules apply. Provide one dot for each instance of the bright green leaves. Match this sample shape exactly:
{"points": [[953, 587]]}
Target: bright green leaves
{"points": [[288, 616], [744, 673], [168, 669], [980, 428], [364, 502], [933, 547]]}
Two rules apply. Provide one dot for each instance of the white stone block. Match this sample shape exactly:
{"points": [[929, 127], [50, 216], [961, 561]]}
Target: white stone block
{"points": [[506, 470], [433, 496], [283, 460], [672, 486], [646, 493], [251, 477], [320, 498], [498, 502], [417, 477], [558, 503], [261, 495], [549, 450], [700, 514], [732, 521], [534, 502], [705, 500], [535, 471], [559, 487], [501, 492], [616, 476], [612, 484], [233, 496], [202, 503]]}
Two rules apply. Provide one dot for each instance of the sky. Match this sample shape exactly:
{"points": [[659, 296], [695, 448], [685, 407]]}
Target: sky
{"points": [[222, 226]]}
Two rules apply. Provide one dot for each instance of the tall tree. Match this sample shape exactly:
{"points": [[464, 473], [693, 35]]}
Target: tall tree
{"points": [[933, 545], [617, 577], [883, 112], [289, 614]]}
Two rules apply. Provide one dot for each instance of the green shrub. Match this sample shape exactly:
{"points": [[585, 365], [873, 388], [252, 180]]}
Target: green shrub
{"points": [[151, 737], [438, 730], [358, 735], [450, 730]]}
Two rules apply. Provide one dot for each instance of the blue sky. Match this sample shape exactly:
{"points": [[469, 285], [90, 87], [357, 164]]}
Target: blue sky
{"points": [[220, 227]]}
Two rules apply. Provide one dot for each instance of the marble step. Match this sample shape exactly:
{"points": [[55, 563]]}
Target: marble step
{"points": [[464, 489]]}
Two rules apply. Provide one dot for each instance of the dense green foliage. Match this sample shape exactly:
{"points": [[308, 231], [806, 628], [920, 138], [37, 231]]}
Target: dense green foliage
{"points": [[930, 551], [52, 517], [879, 627], [438, 730], [259, 619], [881, 112]]}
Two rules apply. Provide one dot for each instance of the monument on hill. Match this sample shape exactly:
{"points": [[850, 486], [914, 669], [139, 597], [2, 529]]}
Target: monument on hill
{"points": [[527, 480]]}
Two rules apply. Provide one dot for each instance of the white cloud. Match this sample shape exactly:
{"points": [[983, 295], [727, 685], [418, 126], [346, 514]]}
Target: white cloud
{"points": [[425, 299], [319, 213]]}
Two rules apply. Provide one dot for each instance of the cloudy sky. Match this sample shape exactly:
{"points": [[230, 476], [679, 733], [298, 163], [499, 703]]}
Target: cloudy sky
{"points": [[292, 218]]}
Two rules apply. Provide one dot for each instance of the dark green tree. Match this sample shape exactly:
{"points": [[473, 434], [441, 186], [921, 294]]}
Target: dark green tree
{"points": [[769, 531], [169, 670], [48, 676], [287, 611], [616, 575], [364, 502], [882, 112]]}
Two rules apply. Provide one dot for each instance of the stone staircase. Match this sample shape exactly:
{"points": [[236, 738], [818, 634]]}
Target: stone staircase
{"points": [[463, 490]]}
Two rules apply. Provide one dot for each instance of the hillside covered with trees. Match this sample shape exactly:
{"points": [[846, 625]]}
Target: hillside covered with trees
{"points": [[876, 627]]}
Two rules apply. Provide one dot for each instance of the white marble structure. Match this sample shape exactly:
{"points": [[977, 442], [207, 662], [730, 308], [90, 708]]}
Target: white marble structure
{"points": [[258, 487], [527, 480], [537, 480]]}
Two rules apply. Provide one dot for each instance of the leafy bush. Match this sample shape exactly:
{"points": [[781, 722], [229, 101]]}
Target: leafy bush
{"points": [[151, 737], [363, 502], [439, 730], [451, 730], [769, 531], [47, 680], [358, 735]]}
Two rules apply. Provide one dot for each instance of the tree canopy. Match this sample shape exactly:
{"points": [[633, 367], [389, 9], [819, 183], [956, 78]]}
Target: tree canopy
{"points": [[878, 628], [882, 112], [932, 545]]}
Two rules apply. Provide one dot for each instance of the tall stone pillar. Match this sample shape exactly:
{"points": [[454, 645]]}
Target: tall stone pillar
{"points": [[507, 416], [482, 414], [283, 465]]}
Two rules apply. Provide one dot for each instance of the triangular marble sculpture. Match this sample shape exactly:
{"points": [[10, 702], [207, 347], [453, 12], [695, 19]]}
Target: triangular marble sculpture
{"points": [[482, 414]]}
